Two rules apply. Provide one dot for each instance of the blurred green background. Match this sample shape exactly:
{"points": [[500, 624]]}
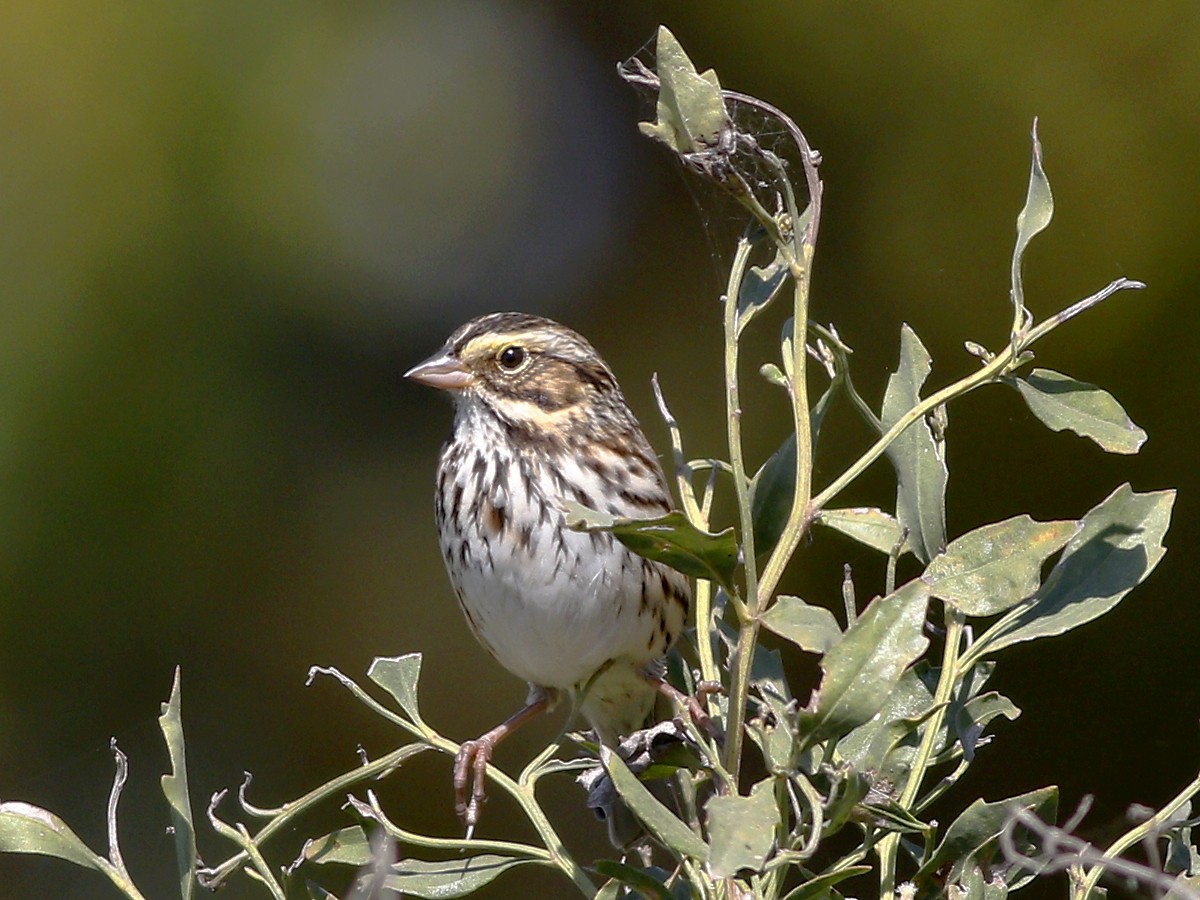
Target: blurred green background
{"points": [[228, 228]]}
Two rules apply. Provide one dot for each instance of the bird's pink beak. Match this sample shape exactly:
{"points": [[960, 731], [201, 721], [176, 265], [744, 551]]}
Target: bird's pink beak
{"points": [[443, 371]]}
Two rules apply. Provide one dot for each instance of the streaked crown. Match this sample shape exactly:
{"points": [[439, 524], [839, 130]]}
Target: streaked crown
{"points": [[532, 372]]}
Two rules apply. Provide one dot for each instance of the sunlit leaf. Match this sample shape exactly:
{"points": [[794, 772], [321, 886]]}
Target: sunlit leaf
{"points": [[669, 539], [1118, 545], [30, 829], [978, 827], [659, 820], [864, 666], [867, 525], [973, 886], [349, 846], [907, 705], [1034, 216], [811, 628], [917, 458], [447, 878], [995, 567], [690, 112], [398, 675], [1062, 403], [175, 789], [741, 830]]}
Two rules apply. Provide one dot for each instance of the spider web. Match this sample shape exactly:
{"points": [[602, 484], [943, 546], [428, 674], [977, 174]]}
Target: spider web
{"points": [[759, 136]]}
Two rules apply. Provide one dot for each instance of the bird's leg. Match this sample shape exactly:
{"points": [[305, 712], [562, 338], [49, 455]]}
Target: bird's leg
{"points": [[470, 764], [692, 704]]}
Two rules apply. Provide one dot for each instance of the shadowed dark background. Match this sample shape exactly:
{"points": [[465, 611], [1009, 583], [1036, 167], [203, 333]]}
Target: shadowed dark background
{"points": [[228, 229]]}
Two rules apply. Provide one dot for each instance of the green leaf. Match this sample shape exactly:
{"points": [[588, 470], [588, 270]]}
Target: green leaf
{"points": [[638, 879], [973, 886], [175, 789], [398, 675], [741, 830], [30, 829], [848, 787], [691, 113], [349, 846], [316, 892], [993, 568], [864, 666], [659, 820], [773, 728], [867, 525], [771, 491], [759, 287], [669, 539], [908, 704], [449, 877], [1063, 403], [811, 628], [1034, 216], [818, 888], [891, 815], [979, 826], [920, 466], [1118, 545], [972, 718]]}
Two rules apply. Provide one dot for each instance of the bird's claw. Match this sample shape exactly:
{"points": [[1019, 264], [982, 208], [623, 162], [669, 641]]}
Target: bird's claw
{"points": [[470, 766]]}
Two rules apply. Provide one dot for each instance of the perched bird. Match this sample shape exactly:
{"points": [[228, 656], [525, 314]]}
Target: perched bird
{"points": [[539, 420]]}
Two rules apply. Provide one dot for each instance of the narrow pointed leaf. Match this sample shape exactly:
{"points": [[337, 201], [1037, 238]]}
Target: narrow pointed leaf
{"points": [[25, 828], [917, 458], [448, 878], [690, 112], [819, 886], [316, 892], [864, 666], [1118, 546], [1062, 403], [978, 827], [811, 628], [1034, 216], [660, 821], [349, 846], [993, 568], [639, 879], [669, 539], [865, 524], [175, 789], [771, 492], [741, 830], [398, 675]]}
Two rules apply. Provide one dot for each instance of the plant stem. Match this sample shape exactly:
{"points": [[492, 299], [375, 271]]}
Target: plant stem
{"points": [[1000, 364], [296, 808], [743, 656], [1135, 835], [933, 725]]}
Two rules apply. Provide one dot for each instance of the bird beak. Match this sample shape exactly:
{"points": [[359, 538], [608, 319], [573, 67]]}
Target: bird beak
{"points": [[443, 371]]}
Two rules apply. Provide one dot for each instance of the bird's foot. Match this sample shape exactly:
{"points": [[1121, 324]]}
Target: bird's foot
{"points": [[470, 768]]}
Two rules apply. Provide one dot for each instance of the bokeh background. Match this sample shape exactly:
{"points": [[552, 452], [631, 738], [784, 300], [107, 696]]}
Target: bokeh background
{"points": [[228, 228]]}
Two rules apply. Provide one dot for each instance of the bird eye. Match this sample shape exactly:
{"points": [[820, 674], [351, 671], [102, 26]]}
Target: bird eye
{"points": [[512, 357]]}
